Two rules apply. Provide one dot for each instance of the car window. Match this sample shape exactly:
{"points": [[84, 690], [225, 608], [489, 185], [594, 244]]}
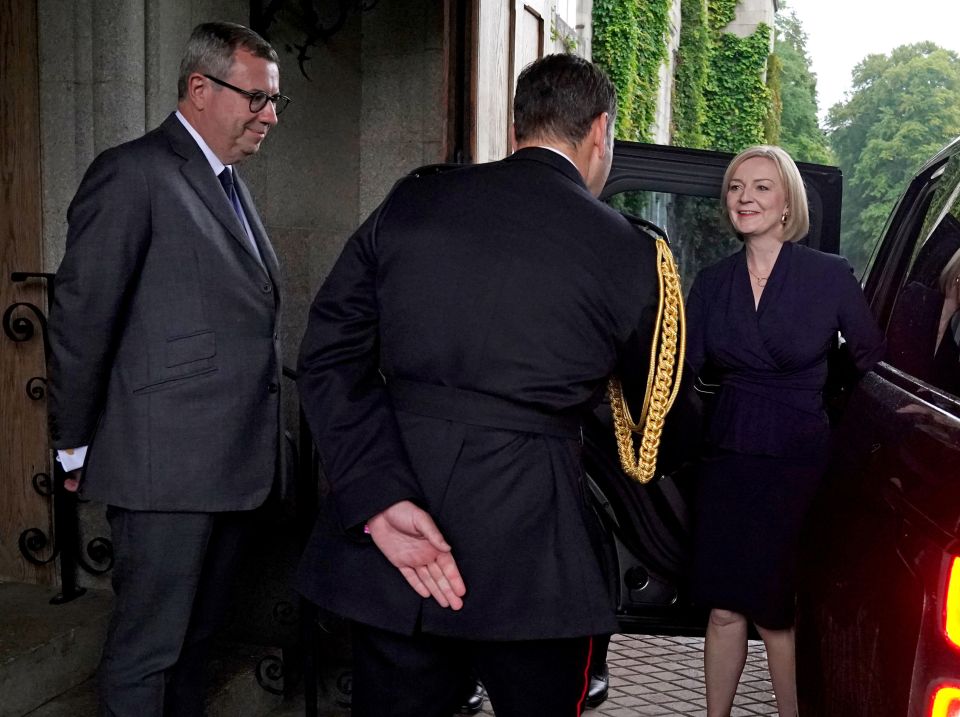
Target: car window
{"points": [[924, 329], [697, 232]]}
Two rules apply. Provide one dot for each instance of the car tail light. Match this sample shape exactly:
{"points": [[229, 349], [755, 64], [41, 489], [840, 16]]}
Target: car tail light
{"points": [[946, 701], [951, 605]]}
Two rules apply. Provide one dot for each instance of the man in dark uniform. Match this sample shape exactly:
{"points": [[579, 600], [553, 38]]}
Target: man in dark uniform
{"points": [[466, 326]]}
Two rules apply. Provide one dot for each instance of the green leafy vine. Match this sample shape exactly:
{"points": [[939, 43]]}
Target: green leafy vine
{"points": [[630, 43], [693, 63], [720, 99], [738, 100], [771, 127]]}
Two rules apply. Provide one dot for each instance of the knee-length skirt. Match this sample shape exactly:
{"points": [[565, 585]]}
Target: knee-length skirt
{"points": [[749, 511]]}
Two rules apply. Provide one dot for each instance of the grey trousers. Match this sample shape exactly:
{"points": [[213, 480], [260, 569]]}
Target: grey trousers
{"points": [[172, 577]]}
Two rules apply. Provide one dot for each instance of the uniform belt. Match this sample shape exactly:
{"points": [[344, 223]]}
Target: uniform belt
{"points": [[480, 409]]}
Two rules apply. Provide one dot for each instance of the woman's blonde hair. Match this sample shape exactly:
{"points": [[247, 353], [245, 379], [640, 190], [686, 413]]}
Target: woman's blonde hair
{"points": [[797, 223]]}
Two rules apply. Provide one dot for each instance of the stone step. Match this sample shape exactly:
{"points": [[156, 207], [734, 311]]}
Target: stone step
{"points": [[45, 650], [234, 690], [49, 654], [295, 708]]}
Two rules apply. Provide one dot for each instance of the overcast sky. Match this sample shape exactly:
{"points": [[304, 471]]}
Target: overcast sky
{"points": [[840, 33]]}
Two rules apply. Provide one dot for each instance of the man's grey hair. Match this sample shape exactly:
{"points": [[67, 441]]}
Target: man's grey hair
{"points": [[211, 47]]}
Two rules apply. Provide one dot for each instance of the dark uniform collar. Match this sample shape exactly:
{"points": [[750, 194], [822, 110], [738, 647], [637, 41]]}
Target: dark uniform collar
{"points": [[550, 157]]}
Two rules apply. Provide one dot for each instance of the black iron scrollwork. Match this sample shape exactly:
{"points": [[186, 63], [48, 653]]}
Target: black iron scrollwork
{"points": [[285, 613], [42, 484], [37, 388], [269, 674], [22, 321], [32, 543], [316, 20], [21, 328], [100, 551], [344, 684]]}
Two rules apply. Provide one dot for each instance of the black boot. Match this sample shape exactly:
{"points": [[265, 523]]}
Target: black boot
{"points": [[599, 686], [473, 700]]}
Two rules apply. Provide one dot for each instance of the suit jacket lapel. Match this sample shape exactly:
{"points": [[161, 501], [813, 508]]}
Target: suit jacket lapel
{"points": [[196, 169], [267, 254]]}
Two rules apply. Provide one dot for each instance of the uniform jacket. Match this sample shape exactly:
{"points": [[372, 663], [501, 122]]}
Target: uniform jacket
{"points": [[492, 290], [164, 340]]}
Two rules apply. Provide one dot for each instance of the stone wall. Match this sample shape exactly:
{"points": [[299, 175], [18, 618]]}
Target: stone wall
{"points": [[751, 13], [403, 119]]}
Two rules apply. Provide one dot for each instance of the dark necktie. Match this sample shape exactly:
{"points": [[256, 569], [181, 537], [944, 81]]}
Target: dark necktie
{"points": [[226, 181]]}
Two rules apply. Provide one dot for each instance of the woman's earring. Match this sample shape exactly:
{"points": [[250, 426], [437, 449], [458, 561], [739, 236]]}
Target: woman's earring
{"points": [[783, 217]]}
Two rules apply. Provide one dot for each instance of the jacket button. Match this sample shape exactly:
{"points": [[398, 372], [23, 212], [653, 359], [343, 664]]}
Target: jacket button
{"points": [[266, 288], [273, 388]]}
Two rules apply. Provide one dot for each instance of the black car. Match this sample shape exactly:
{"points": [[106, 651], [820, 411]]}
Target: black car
{"points": [[879, 604]]}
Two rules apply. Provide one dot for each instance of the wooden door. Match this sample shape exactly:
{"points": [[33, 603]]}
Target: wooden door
{"points": [[526, 39], [24, 459]]}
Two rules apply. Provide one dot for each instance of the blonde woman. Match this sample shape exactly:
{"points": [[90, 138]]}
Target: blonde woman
{"points": [[762, 320]]}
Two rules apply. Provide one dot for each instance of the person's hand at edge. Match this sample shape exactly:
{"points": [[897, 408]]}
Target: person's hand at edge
{"points": [[71, 483], [411, 541]]}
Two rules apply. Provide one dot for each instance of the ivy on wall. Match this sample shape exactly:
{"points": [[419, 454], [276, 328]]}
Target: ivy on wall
{"points": [[693, 62], [616, 35], [771, 127], [630, 43], [737, 98], [720, 98], [721, 14]]}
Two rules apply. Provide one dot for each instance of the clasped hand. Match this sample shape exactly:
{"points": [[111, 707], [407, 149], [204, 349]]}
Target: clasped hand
{"points": [[72, 481], [411, 541]]}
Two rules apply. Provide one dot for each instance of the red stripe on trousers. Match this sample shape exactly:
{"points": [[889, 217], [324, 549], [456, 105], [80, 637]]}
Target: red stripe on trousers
{"points": [[586, 678]]}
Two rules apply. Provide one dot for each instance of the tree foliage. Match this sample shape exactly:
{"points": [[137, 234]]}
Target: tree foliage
{"points": [[799, 130], [903, 107]]}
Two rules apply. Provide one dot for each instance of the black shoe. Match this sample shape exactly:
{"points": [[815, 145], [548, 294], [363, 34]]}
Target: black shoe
{"points": [[474, 700], [599, 687]]}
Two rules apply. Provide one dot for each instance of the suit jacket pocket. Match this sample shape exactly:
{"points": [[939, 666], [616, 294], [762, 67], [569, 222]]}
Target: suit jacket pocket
{"points": [[192, 347], [173, 381]]}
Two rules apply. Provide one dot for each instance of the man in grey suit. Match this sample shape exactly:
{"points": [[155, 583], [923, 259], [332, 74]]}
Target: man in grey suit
{"points": [[165, 365]]}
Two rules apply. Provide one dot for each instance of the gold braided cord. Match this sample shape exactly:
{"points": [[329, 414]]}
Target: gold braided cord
{"points": [[663, 378]]}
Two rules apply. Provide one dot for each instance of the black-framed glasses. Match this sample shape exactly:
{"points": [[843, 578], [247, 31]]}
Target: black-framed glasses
{"points": [[258, 98]]}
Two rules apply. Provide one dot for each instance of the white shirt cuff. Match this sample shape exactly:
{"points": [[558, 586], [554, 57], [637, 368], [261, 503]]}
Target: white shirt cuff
{"points": [[72, 458]]}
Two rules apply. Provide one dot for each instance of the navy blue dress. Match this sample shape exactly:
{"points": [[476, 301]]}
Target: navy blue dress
{"points": [[767, 434]]}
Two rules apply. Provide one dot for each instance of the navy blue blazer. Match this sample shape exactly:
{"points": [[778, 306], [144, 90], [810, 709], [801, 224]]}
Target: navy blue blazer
{"points": [[771, 359]]}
